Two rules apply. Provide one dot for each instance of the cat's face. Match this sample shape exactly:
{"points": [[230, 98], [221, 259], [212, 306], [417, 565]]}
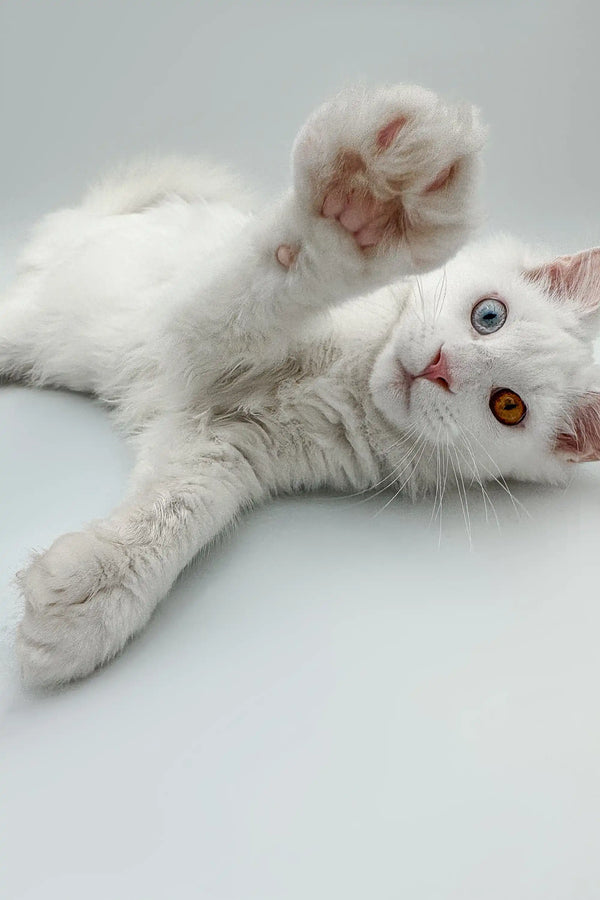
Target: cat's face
{"points": [[491, 362]]}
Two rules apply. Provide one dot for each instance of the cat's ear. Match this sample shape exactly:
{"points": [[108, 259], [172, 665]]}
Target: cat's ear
{"points": [[580, 440], [575, 279]]}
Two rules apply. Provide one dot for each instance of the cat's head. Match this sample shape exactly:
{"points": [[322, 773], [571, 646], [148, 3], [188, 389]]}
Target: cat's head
{"points": [[492, 359]]}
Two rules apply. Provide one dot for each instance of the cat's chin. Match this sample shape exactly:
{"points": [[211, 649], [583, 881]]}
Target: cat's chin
{"points": [[399, 395]]}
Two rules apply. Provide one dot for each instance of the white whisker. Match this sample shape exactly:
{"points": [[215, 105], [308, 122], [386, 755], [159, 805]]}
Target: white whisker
{"points": [[462, 493], [395, 474], [414, 463], [499, 477], [484, 493]]}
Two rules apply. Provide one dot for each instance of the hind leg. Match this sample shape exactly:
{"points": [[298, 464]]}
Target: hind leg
{"points": [[41, 337], [30, 347], [17, 342]]}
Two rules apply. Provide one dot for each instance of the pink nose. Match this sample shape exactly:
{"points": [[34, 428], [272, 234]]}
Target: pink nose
{"points": [[438, 371]]}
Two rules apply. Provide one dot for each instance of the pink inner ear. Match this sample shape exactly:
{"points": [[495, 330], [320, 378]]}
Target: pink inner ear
{"points": [[582, 442], [575, 277]]}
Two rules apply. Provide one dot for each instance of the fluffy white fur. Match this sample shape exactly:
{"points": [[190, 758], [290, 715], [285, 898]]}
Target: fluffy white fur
{"points": [[238, 376]]}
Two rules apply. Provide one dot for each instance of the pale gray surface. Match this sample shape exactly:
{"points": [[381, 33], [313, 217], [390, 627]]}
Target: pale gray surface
{"points": [[331, 705]]}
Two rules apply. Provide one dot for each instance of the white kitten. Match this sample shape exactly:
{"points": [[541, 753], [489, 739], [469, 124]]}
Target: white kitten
{"points": [[211, 333]]}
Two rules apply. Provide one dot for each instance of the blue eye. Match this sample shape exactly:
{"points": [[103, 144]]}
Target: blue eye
{"points": [[488, 315]]}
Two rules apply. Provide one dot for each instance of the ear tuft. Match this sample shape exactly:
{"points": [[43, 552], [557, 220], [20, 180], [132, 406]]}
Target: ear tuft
{"points": [[573, 278], [581, 442]]}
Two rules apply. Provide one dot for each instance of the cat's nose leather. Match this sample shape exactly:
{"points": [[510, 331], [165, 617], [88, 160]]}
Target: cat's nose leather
{"points": [[438, 371]]}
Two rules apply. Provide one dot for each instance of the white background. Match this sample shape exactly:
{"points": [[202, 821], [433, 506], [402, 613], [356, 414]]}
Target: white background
{"points": [[341, 700]]}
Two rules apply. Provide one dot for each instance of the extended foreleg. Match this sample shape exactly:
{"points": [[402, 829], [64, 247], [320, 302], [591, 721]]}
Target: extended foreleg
{"points": [[384, 187], [94, 589]]}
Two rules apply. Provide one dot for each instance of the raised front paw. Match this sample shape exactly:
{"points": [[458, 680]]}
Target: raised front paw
{"points": [[393, 167], [81, 605]]}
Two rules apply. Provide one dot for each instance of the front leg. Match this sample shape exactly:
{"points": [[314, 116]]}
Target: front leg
{"points": [[94, 589], [384, 187]]}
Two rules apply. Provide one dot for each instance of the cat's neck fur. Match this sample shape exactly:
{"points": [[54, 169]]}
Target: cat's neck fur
{"points": [[315, 405]]}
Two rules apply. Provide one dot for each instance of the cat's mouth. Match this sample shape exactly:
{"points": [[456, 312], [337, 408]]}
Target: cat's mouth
{"points": [[437, 372]]}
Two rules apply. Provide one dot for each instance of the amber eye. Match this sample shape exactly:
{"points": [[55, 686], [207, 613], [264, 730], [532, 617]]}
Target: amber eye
{"points": [[507, 407]]}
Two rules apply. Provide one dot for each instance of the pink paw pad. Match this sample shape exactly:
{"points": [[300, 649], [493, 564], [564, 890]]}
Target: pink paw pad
{"points": [[286, 255], [387, 134], [350, 202], [361, 214], [351, 195], [442, 179]]}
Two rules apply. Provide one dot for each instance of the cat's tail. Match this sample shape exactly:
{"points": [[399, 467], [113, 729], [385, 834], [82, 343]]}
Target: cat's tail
{"points": [[149, 181]]}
